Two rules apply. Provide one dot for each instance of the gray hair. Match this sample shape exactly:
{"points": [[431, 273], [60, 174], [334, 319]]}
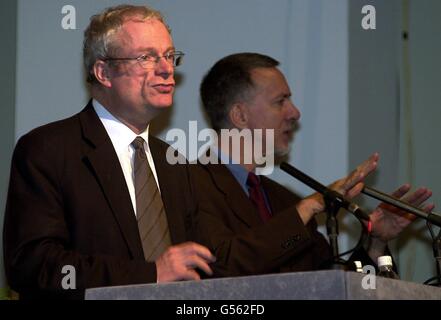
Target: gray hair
{"points": [[99, 37]]}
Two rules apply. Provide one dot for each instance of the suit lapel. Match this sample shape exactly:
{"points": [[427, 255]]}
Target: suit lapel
{"points": [[275, 206], [237, 201], [278, 197], [168, 177], [105, 164]]}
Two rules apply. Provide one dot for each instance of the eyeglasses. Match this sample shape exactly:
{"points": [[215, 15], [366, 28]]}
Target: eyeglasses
{"points": [[148, 60]]}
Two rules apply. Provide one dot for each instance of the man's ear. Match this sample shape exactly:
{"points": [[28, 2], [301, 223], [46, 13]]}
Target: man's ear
{"points": [[239, 115], [102, 73]]}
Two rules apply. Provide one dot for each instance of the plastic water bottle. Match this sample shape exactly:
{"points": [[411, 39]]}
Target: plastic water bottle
{"points": [[385, 266]]}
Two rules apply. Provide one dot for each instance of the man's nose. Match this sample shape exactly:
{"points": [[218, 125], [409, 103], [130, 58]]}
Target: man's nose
{"points": [[164, 68], [293, 112]]}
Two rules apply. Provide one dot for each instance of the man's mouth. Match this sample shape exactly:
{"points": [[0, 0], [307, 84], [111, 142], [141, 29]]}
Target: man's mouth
{"points": [[164, 87], [288, 132]]}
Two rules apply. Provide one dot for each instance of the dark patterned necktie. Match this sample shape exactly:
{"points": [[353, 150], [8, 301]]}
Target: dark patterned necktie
{"points": [[257, 196], [150, 213]]}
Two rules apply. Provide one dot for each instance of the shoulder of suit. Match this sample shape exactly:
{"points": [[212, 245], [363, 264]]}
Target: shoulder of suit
{"points": [[49, 134], [160, 148], [158, 143]]}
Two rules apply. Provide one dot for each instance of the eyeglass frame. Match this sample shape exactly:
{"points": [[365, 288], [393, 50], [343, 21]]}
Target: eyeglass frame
{"points": [[177, 59]]}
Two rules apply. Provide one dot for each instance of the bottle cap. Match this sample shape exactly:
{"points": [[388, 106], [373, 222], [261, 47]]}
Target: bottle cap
{"points": [[358, 266], [384, 261]]}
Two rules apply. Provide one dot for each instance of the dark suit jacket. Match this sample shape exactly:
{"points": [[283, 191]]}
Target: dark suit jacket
{"points": [[229, 225], [68, 204]]}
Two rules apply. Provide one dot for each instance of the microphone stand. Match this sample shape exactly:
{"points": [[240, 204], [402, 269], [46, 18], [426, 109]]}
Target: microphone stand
{"points": [[436, 246], [437, 255], [333, 205]]}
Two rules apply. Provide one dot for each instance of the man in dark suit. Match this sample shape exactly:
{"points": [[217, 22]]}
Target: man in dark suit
{"points": [[92, 200], [252, 224]]}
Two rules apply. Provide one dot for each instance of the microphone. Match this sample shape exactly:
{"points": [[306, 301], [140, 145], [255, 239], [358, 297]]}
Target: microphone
{"points": [[432, 217], [325, 191]]}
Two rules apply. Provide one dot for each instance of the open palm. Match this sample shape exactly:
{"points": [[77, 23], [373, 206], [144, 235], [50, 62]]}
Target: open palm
{"points": [[388, 221]]}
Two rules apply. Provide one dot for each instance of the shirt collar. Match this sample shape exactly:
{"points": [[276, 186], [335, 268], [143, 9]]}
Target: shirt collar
{"points": [[120, 135], [238, 171]]}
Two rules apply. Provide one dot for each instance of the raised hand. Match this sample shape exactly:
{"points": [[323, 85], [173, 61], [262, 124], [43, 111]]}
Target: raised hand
{"points": [[349, 187], [352, 185], [388, 221]]}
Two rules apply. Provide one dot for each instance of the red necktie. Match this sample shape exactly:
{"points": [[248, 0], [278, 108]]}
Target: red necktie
{"points": [[257, 196]]}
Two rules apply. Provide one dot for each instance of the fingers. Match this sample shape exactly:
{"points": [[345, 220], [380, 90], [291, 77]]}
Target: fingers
{"points": [[429, 207], [368, 165], [417, 197], [360, 173], [190, 275], [201, 251], [179, 262], [355, 190], [197, 262], [401, 191], [187, 275], [426, 208], [195, 255], [310, 206]]}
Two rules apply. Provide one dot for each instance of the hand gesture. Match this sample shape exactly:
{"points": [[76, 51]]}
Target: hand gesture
{"points": [[388, 221], [180, 261], [349, 187]]}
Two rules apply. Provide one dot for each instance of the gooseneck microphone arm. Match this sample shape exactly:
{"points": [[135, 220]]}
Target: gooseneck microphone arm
{"points": [[328, 193], [431, 216]]}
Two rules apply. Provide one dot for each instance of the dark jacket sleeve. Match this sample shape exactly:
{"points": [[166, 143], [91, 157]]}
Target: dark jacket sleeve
{"points": [[261, 249]]}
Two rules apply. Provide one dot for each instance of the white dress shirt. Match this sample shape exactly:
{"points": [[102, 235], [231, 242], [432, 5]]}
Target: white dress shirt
{"points": [[122, 137]]}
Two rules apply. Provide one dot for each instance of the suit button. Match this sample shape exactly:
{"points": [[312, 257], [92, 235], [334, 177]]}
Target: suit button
{"points": [[286, 244], [290, 242]]}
